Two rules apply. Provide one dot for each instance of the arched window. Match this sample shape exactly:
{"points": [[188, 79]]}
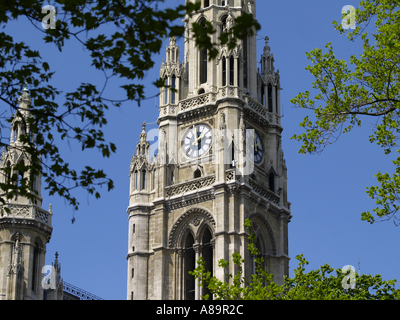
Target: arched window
{"points": [[35, 267], [33, 187], [190, 265], [203, 66], [223, 24], [262, 94], [9, 171], [23, 128], [232, 71], [203, 59], [233, 162], [197, 174], [144, 179], [259, 242], [208, 256], [223, 71], [245, 51], [136, 179], [270, 107], [259, 247], [206, 3], [173, 87], [271, 181], [20, 177], [166, 91], [238, 72], [15, 133]]}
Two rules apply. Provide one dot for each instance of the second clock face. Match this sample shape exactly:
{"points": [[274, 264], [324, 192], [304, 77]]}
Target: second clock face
{"points": [[258, 149], [197, 140]]}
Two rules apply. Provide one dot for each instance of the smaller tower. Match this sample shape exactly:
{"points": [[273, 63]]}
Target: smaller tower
{"points": [[171, 71], [142, 175], [269, 83], [25, 227], [54, 282]]}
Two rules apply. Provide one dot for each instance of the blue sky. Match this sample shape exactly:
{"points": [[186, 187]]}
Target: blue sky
{"points": [[327, 191]]}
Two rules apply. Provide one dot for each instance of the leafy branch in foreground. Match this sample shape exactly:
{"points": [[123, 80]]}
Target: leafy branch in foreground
{"points": [[121, 38], [369, 88], [319, 284]]}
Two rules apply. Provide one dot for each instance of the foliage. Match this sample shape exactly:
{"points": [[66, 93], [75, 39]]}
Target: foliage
{"points": [[236, 287], [121, 38], [319, 284], [368, 88]]}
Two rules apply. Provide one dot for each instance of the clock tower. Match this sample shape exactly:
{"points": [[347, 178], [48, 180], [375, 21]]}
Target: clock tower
{"points": [[219, 162], [25, 227]]}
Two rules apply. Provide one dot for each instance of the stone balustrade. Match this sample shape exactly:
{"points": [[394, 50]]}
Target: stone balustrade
{"points": [[264, 192], [192, 185], [27, 211]]}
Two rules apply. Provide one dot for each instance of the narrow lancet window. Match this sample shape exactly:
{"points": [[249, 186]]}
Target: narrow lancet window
{"points": [[245, 76], [166, 91], [271, 182], [270, 108], [203, 66], [232, 71], [144, 179], [223, 72], [173, 87], [203, 60]]}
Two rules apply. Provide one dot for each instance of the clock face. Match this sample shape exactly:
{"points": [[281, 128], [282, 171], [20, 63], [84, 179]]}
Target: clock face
{"points": [[197, 140], [258, 149]]}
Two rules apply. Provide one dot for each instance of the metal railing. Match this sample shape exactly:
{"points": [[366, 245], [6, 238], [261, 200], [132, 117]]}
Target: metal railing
{"points": [[79, 293]]}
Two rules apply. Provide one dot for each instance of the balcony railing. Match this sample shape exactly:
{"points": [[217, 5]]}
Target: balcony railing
{"points": [[27, 211], [264, 192], [192, 185], [261, 110]]}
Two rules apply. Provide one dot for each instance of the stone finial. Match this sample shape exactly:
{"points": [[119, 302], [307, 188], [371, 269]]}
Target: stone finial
{"points": [[143, 135], [267, 48], [25, 95], [172, 41]]}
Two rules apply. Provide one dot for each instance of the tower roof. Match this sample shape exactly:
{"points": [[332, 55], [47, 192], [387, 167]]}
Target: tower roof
{"points": [[25, 97]]}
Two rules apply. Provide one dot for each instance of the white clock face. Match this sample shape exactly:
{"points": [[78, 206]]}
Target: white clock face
{"points": [[197, 141]]}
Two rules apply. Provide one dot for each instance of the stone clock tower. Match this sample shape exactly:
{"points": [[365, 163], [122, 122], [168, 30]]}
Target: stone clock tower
{"points": [[219, 162], [25, 228]]}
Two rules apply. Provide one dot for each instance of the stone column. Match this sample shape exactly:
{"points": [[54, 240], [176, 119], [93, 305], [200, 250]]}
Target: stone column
{"points": [[197, 250], [266, 96]]}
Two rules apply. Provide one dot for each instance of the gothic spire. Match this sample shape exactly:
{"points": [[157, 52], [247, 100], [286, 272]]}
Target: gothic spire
{"points": [[267, 59], [143, 146]]}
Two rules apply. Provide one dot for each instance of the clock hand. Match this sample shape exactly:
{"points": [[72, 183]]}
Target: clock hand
{"points": [[195, 142], [199, 140], [201, 136]]}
